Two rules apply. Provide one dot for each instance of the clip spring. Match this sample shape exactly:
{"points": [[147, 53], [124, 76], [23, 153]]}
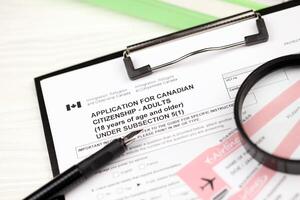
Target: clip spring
{"points": [[260, 37]]}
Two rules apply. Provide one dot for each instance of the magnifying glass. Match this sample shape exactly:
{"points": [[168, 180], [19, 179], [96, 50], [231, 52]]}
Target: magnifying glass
{"points": [[267, 114]]}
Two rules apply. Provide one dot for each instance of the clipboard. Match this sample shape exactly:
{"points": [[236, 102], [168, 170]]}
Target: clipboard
{"points": [[131, 69]]}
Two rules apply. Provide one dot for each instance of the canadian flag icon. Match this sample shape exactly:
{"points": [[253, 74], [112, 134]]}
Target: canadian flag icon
{"points": [[74, 105]]}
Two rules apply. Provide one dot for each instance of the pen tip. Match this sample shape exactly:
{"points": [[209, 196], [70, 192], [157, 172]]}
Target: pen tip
{"points": [[129, 136]]}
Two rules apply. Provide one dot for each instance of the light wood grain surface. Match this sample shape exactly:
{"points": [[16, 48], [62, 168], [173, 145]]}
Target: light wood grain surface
{"points": [[38, 37]]}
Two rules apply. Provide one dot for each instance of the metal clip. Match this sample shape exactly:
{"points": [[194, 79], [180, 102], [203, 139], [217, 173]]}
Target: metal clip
{"points": [[260, 37]]}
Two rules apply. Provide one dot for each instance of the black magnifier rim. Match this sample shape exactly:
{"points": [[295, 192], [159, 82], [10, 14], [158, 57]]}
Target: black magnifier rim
{"points": [[267, 159]]}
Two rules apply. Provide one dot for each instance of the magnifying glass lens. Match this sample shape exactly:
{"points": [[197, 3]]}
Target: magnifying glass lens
{"points": [[271, 113]]}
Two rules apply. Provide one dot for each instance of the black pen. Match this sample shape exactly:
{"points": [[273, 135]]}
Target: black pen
{"points": [[62, 183]]}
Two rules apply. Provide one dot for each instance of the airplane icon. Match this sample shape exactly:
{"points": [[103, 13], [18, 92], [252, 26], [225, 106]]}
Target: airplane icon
{"points": [[209, 182]]}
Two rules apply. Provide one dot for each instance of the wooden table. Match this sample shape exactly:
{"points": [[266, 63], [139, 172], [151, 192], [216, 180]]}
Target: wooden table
{"points": [[38, 37]]}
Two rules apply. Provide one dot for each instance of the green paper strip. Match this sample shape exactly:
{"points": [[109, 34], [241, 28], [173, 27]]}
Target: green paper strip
{"points": [[156, 11], [248, 4]]}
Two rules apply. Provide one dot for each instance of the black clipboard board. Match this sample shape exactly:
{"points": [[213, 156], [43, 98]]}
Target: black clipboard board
{"points": [[119, 54]]}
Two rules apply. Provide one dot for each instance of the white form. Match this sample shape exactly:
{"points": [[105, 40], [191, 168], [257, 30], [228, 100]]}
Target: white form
{"points": [[183, 110]]}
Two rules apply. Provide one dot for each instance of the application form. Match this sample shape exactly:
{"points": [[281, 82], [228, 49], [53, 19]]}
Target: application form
{"points": [[185, 110]]}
